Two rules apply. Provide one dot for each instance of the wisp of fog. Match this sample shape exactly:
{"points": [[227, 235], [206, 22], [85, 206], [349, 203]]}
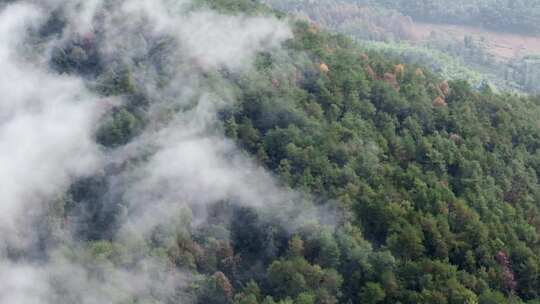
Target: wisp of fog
{"points": [[48, 125]]}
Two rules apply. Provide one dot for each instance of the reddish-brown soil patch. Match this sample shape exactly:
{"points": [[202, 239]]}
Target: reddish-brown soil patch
{"points": [[503, 46]]}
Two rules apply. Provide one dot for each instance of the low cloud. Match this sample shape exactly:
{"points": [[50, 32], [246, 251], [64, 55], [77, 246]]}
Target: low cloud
{"points": [[47, 127]]}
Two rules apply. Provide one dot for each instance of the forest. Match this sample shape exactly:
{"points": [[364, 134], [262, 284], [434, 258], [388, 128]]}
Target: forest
{"points": [[424, 169], [382, 180]]}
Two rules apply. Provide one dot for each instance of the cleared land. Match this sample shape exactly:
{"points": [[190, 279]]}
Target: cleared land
{"points": [[503, 46]]}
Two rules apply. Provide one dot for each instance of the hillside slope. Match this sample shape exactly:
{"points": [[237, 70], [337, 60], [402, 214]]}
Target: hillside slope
{"points": [[215, 152]]}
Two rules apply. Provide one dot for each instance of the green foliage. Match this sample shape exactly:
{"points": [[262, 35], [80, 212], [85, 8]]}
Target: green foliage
{"points": [[447, 66], [442, 186], [296, 278], [119, 129], [232, 6], [216, 290], [372, 293]]}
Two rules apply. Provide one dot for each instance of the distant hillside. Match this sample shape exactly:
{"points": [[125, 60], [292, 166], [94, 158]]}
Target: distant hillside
{"points": [[473, 53], [502, 15]]}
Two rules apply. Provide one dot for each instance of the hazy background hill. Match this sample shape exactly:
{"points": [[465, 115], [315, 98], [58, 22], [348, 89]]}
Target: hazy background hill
{"points": [[493, 42]]}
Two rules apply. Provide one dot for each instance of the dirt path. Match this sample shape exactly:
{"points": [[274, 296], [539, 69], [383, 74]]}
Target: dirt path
{"points": [[503, 46]]}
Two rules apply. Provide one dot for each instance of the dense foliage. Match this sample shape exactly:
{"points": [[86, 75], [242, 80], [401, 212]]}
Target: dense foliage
{"points": [[442, 176], [435, 184]]}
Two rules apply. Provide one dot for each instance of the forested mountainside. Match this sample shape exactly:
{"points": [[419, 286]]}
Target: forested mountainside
{"points": [[215, 152]]}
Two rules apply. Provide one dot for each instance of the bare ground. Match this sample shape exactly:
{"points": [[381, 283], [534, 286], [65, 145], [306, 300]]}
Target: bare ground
{"points": [[503, 46]]}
